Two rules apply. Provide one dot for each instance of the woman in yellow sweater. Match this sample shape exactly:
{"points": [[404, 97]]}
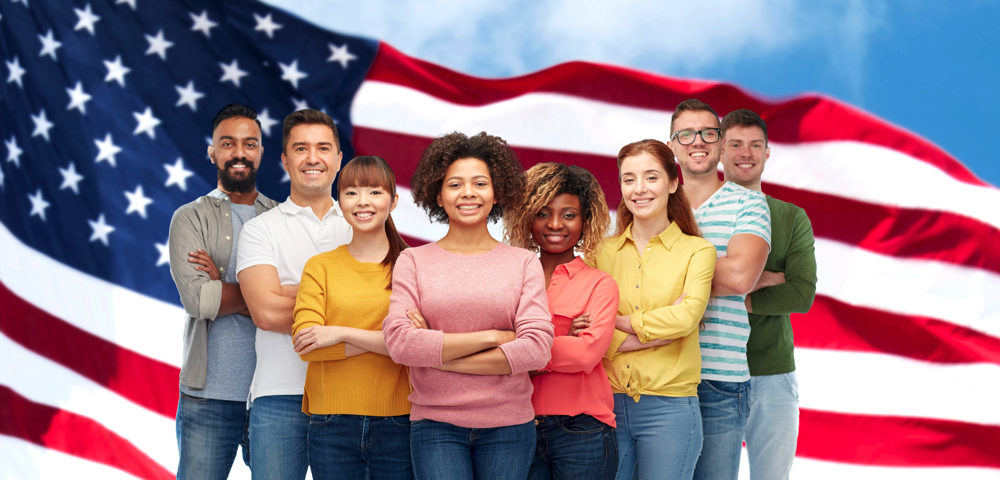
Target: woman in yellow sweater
{"points": [[355, 395]]}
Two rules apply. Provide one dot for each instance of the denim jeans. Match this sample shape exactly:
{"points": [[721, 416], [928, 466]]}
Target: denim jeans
{"points": [[725, 407], [658, 437], [773, 427], [580, 447], [442, 451], [278, 434], [209, 432], [360, 447]]}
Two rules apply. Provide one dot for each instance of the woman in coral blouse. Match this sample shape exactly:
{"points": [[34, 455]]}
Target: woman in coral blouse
{"points": [[664, 272], [565, 210]]}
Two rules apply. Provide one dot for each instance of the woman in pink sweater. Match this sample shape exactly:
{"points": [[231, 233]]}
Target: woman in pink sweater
{"points": [[469, 316]]}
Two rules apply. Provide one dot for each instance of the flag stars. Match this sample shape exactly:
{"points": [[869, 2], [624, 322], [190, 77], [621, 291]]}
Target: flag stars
{"points": [[87, 19], [202, 23], [1, 177], [164, 250], [232, 73], [16, 72], [266, 25], [300, 104], [177, 174], [189, 96], [13, 151], [130, 3], [106, 150], [49, 45], [340, 54], [116, 71], [78, 98], [147, 123], [38, 204], [292, 73], [101, 230], [42, 125], [158, 45], [71, 179], [266, 122], [137, 202]]}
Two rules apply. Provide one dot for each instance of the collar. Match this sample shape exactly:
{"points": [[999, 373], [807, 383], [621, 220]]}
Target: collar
{"points": [[218, 195], [667, 237], [573, 267], [289, 207]]}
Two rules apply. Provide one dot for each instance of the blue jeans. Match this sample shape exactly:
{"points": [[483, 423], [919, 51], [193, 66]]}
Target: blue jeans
{"points": [[278, 434], [658, 437], [209, 432], [442, 451], [580, 447], [773, 427], [360, 447], [725, 407]]}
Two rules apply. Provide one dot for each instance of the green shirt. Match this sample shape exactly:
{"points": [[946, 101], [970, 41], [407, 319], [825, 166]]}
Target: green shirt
{"points": [[770, 349]]}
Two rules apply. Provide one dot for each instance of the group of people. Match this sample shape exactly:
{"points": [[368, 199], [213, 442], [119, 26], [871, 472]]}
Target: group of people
{"points": [[317, 339]]}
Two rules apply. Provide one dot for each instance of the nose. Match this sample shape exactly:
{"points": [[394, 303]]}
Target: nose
{"points": [[363, 199], [468, 191], [555, 222]]}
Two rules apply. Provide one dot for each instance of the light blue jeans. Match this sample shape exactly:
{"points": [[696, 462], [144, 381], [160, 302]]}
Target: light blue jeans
{"points": [[773, 427], [725, 407], [278, 438], [658, 437]]}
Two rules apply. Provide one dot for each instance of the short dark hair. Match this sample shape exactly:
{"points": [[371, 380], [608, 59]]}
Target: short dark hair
{"points": [[505, 171], [235, 110], [689, 105], [307, 117], [743, 118]]}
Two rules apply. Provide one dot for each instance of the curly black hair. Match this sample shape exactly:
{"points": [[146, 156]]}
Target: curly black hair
{"points": [[504, 166]]}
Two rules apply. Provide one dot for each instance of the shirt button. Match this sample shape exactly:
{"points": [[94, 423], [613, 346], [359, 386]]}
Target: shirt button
{"points": [[227, 237], [640, 266], [222, 269], [636, 307], [227, 214], [636, 286]]}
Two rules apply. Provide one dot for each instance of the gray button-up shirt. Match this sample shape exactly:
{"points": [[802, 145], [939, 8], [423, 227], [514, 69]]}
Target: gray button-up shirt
{"points": [[206, 224]]}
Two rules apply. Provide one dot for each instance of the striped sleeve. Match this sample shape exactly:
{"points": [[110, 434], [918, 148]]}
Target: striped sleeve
{"points": [[754, 216]]}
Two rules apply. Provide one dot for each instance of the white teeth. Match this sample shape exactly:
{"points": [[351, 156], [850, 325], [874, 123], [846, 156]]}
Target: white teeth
{"points": [[313, 172], [642, 201], [468, 207], [699, 154], [363, 214]]}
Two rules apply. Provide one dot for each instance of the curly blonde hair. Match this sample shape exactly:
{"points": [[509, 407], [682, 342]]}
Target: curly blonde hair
{"points": [[545, 181]]}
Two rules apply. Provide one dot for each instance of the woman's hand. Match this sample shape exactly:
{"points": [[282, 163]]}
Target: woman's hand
{"points": [[417, 320], [311, 338]]}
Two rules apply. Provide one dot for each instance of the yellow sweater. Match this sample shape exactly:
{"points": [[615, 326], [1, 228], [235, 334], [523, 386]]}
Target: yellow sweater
{"points": [[338, 290]]}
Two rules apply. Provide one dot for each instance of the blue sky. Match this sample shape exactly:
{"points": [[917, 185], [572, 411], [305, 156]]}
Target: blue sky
{"points": [[930, 67]]}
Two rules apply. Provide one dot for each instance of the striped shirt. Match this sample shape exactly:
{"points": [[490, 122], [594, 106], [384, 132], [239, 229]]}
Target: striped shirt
{"points": [[731, 210]]}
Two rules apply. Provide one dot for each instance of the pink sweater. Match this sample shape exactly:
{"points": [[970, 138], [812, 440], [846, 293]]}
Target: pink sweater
{"points": [[502, 289]]}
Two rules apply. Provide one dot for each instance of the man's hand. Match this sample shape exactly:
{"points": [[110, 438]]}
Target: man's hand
{"points": [[204, 263], [311, 338], [769, 279]]}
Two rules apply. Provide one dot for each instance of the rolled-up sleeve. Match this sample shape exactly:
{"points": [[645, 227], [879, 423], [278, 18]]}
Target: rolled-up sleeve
{"points": [[407, 345], [200, 295], [584, 352], [532, 347]]}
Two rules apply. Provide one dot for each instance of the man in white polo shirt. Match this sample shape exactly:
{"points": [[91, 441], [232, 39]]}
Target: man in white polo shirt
{"points": [[273, 250]]}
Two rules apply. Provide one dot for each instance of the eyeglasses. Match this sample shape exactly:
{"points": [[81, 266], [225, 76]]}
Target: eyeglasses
{"points": [[708, 135]]}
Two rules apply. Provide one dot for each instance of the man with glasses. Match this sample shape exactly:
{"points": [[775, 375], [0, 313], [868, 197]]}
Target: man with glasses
{"points": [[737, 221]]}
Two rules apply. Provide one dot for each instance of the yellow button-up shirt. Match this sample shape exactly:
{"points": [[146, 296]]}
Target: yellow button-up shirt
{"points": [[672, 264]]}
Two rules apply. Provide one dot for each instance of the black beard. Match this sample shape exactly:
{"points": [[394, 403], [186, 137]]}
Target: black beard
{"points": [[237, 185]]}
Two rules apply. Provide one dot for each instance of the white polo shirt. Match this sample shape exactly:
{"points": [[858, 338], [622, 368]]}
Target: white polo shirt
{"points": [[286, 237]]}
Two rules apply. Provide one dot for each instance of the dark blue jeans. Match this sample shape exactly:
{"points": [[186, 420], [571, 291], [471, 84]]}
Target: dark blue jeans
{"points": [[360, 447], [278, 433], [580, 447], [208, 434], [442, 451]]}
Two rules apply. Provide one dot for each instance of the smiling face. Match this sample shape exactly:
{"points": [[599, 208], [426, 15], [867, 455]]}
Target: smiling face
{"points": [[744, 153], [558, 225], [699, 158], [236, 152], [646, 188], [311, 158], [367, 208], [467, 192]]}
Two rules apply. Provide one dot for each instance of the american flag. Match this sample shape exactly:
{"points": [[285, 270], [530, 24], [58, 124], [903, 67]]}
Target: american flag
{"points": [[107, 108]]}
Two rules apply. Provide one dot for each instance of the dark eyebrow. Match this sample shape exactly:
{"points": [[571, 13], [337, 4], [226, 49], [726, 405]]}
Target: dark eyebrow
{"points": [[459, 178]]}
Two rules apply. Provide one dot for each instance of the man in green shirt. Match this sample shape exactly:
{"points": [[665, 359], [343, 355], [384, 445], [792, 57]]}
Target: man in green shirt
{"points": [[787, 285]]}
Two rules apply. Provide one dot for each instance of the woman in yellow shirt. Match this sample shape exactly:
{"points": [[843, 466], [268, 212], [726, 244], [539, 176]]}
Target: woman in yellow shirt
{"points": [[359, 424], [664, 273]]}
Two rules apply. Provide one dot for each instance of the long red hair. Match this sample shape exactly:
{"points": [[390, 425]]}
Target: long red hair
{"points": [[678, 208]]}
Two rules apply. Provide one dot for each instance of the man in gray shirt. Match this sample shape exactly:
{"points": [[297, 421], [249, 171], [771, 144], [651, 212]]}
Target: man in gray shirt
{"points": [[219, 355]]}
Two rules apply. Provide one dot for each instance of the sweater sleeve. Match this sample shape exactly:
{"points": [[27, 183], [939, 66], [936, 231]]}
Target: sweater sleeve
{"points": [[797, 293], [532, 347], [676, 321], [407, 345], [582, 353], [310, 310]]}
